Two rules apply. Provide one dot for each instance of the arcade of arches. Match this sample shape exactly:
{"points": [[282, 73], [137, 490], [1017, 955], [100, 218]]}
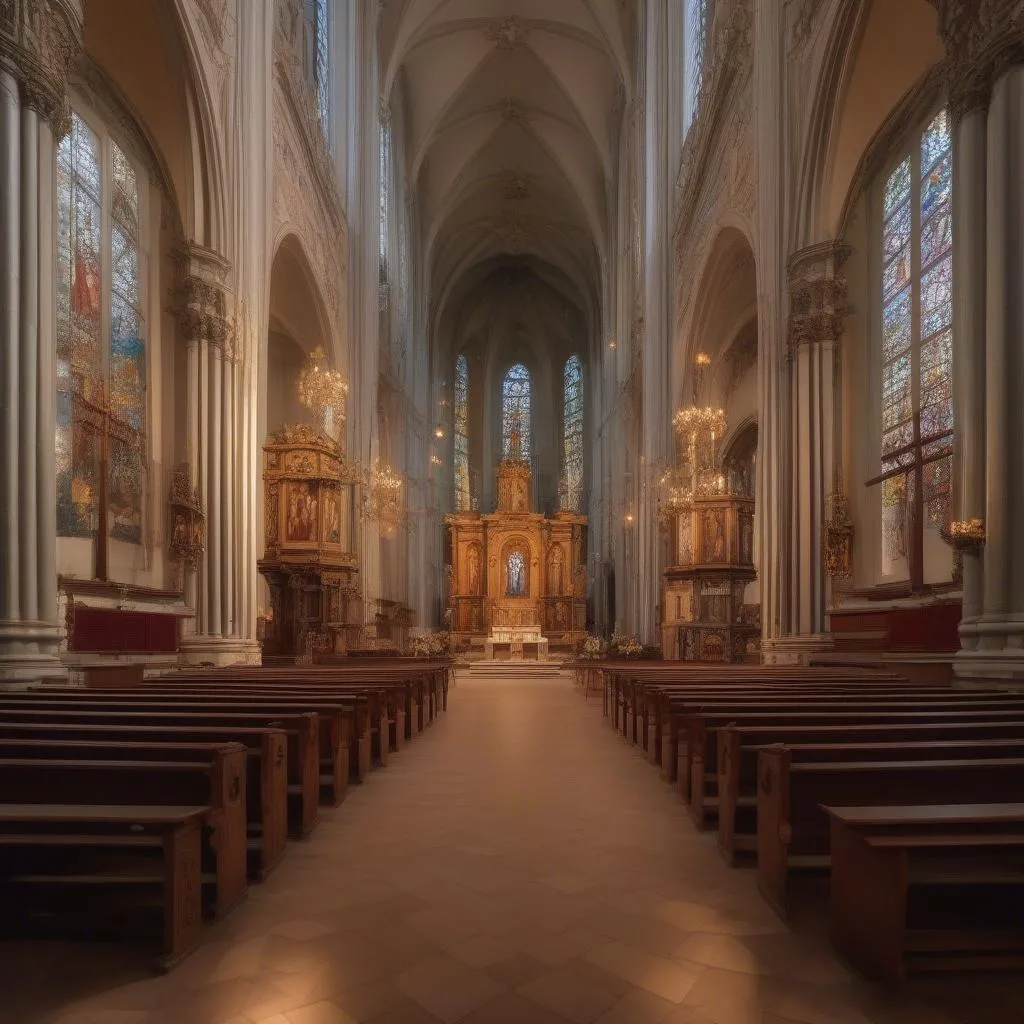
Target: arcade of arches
{"points": [[589, 220]]}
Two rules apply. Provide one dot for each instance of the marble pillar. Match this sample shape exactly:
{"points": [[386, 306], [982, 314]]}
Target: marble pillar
{"points": [[986, 74], [817, 308], [215, 429], [39, 41]]}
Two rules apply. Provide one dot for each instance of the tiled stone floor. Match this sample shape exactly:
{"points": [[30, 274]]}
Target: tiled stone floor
{"points": [[515, 865]]}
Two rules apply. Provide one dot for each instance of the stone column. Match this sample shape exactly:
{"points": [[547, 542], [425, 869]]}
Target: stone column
{"points": [[817, 307], [39, 41], [985, 43], [214, 427], [773, 496]]}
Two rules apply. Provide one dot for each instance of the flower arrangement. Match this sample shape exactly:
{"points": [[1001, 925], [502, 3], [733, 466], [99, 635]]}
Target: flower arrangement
{"points": [[430, 645], [593, 647], [632, 648]]}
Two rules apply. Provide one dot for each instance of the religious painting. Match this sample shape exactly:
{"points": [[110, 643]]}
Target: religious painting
{"points": [[300, 518], [515, 574], [332, 517], [556, 570], [473, 569], [746, 538], [684, 542], [713, 531]]}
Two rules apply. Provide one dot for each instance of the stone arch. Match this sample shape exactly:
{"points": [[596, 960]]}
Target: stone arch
{"points": [[875, 56], [130, 43], [298, 324]]}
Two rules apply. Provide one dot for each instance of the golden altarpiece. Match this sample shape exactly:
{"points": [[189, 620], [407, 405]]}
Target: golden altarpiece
{"points": [[309, 565], [515, 567]]}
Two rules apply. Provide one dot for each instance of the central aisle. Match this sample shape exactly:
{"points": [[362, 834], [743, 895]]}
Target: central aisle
{"points": [[517, 864]]}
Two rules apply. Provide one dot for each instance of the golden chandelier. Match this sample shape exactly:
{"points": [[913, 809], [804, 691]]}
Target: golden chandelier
{"points": [[383, 502], [324, 392]]}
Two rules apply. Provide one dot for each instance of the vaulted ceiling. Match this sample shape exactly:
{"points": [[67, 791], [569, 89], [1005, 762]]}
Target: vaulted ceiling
{"points": [[513, 112]]}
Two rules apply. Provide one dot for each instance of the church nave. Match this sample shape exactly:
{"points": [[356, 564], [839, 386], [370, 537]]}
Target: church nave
{"points": [[516, 865]]}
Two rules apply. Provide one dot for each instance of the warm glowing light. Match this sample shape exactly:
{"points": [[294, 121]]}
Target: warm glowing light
{"points": [[703, 359], [439, 433], [611, 343], [322, 389]]}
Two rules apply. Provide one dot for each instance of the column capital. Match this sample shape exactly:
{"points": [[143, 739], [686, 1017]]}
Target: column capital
{"points": [[817, 294], [982, 38], [40, 40], [200, 300]]}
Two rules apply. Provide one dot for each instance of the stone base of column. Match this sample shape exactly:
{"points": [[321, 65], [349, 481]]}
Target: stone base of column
{"points": [[796, 650], [29, 653], [220, 651], [1004, 664]]}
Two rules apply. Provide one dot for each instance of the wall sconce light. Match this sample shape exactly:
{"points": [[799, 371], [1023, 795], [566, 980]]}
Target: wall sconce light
{"points": [[611, 344], [439, 433]]}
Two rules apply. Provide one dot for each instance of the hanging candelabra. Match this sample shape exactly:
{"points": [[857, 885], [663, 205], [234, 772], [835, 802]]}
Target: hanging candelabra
{"points": [[700, 429], [383, 503], [324, 392]]}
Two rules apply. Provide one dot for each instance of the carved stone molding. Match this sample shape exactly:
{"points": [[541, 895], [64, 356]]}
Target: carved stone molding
{"points": [[40, 40], [200, 300], [982, 39], [729, 67], [508, 34], [817, 294]]}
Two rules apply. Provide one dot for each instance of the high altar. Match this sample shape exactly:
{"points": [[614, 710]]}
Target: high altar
{"points": [[517, 578]]}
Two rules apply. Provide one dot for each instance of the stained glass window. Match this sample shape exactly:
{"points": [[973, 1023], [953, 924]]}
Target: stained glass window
{"points": [[462, 496], [515, 574], [572, 436], [79, 327], [322, 64], [696, 37], [917, 341], [101, 384], [515, 413], [385, 186]]}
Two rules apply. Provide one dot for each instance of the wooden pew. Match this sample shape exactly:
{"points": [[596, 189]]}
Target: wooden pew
{"points": [[26, 830], [301, 728], [793, 830], [928, 887], [701, 751], [738, 748], [339, 718], [266, 782], [218, 780]]}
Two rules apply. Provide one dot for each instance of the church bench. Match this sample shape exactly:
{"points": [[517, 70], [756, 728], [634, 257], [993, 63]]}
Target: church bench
{"points": [[175, 831], [302, 733], [697, 765], [672, 704], [218, 779], [637, 695], [793, 830], [392, 703], [266, 788], [737, 780], [429, 679], [339, 717], [626, 682], [931, 888]]}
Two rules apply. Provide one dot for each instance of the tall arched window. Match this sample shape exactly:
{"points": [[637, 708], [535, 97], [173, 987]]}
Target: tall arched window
{"points": [[385, 193], [321, 24], [462, 496], [917, 358], [515, 413], [572, 434], [695, 33], [100, 340]]}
